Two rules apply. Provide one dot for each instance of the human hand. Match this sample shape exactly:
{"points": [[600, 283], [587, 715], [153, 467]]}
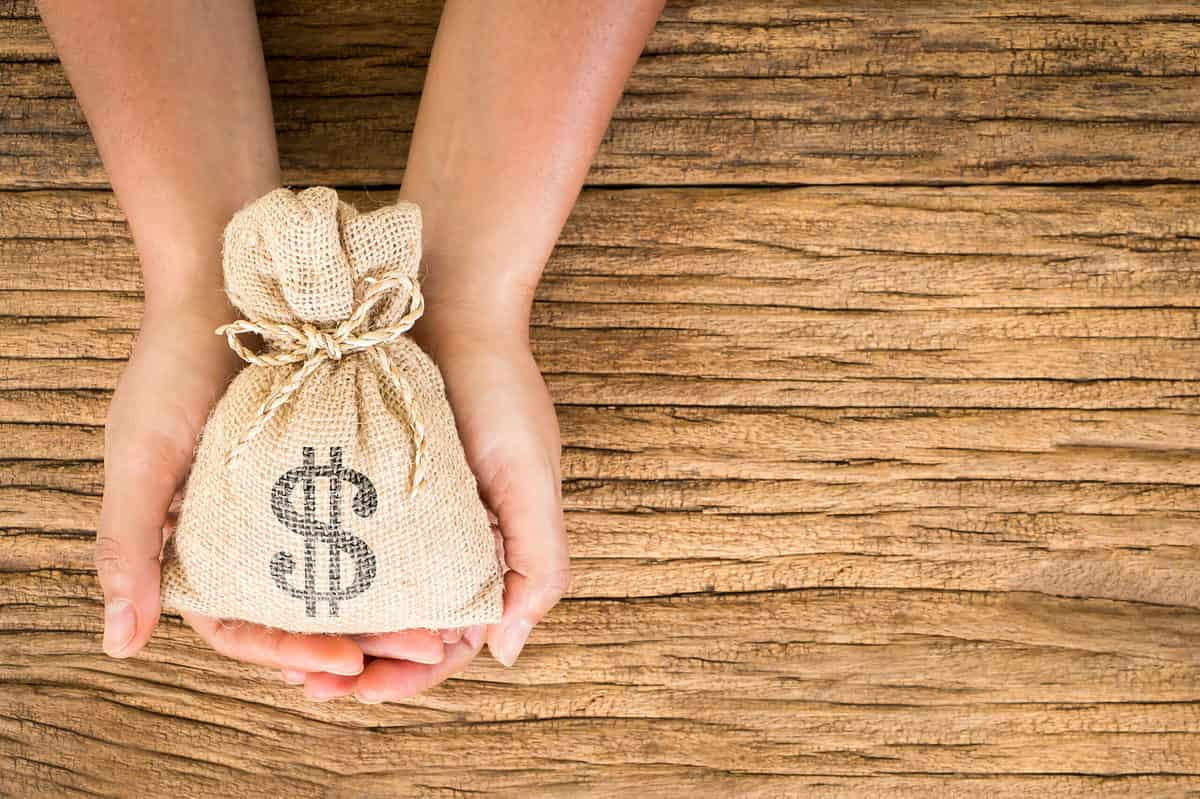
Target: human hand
{"points": [[177, 372], [510, 433]]}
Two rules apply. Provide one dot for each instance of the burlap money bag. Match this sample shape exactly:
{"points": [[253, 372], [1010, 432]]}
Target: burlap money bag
{"points": [[330, 492]]}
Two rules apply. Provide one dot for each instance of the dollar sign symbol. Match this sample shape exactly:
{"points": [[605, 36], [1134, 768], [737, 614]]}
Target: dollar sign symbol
{"points": [[328, 532]]}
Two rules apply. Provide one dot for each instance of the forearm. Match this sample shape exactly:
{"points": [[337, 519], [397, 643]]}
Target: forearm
{"points": [[516, 100], [177, 100]]}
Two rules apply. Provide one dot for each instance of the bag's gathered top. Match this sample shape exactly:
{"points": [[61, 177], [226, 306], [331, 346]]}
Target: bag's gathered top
{"points": [[311, 346]]}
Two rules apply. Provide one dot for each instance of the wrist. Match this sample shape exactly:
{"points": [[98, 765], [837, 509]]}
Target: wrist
{"points": [[181, 323], [197, 301], [469, 299], [179, 237], [454, 324], [480, 263], [446, 328]]}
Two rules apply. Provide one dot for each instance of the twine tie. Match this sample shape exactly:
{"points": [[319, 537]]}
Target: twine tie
{"points": [[311, 346]]}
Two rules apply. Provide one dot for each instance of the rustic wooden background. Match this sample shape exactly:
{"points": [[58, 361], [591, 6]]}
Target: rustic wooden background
{"points": [[876, 343]]}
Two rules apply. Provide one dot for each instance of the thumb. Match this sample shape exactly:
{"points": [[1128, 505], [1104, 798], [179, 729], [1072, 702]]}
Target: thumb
{"points": [[139, 484], [528, 506]]}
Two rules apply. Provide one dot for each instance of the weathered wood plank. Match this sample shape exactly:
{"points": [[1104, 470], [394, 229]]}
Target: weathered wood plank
{"points": [[693, 537], [1009, 297], [864, 445], [824, 248], [749, 343], [607, 638], [819, 702], [71, 379], [747, 92], [870, 492]]}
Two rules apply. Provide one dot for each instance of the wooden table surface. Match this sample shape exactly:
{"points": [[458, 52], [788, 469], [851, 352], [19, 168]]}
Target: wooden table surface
{"points": [[876, 346]]}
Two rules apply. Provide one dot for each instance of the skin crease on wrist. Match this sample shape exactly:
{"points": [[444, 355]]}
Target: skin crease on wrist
{"points": [[516, 99]]}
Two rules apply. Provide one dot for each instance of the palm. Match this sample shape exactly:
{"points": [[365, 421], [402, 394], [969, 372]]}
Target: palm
{"points": [[510, 434], [172, 379], [505, 418], [176, 374]]}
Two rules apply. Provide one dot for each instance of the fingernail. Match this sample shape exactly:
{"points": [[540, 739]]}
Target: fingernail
{"points": [[344, 669], [512, 640], [367, 697], [120, 625], [293, 677], [474, 635], [452, 636]]}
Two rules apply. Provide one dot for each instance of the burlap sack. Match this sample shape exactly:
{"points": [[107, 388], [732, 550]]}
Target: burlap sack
{"points": [[330, 492]]}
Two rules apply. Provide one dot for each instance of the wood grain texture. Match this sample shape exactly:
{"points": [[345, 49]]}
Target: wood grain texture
{"points": [[728, 92], [872, 490]]}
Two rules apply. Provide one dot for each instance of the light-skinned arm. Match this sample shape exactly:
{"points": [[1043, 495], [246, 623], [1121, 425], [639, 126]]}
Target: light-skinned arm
{"points": [[177, 100], [516, 100]]}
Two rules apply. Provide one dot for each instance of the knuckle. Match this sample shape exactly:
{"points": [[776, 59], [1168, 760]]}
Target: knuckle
{"points": [[150, 462], [219, 643], [109, 556], [146, 449], [276, 644], [222, 645], [556, 584], [129, 561], [222, 638]]}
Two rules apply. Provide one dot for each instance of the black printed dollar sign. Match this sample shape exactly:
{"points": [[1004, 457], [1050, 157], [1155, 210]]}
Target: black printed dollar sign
{"points": [[328, 532]]}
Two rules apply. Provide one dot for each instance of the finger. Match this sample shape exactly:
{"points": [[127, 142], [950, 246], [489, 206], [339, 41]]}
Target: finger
{"points": [[535, 551], [451, 636], [138, 490], [293, 677], [322, 686], [422, 646], [268, 646], [386, 680]]}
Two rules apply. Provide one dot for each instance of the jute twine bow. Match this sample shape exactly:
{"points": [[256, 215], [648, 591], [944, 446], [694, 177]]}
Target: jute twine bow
{"points": [[312, 346]]}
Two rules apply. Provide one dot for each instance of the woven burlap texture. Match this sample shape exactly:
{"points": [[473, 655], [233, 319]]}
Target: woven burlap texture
{"points": [[284, 537]]}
